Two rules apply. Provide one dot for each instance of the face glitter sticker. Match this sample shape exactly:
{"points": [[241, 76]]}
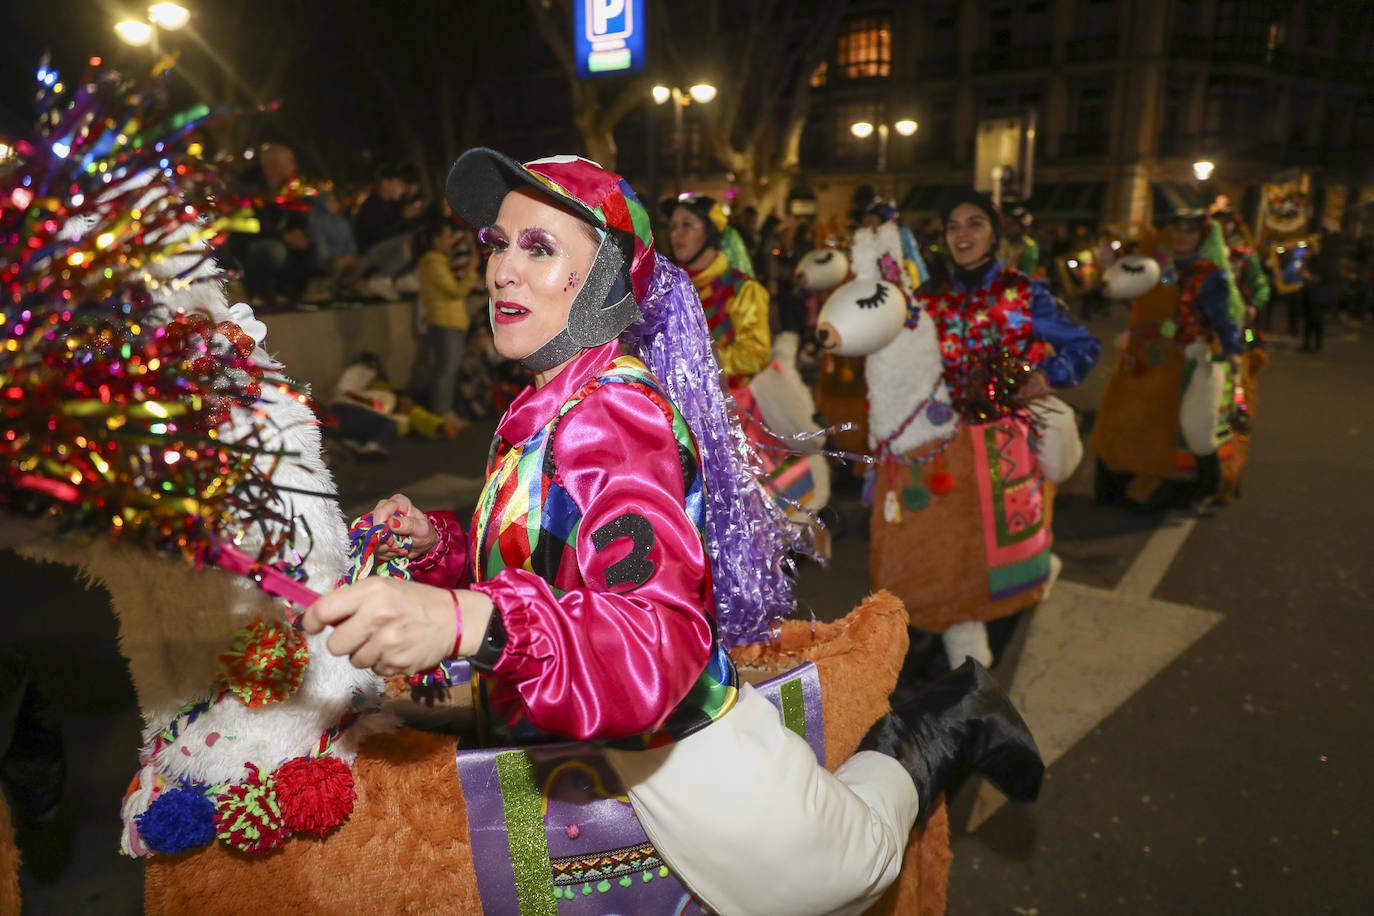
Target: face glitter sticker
{"points": [[636, 567], [573, 280]]}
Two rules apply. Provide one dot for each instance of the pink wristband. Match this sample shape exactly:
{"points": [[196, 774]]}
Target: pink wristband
{"points": [[458, 618]]}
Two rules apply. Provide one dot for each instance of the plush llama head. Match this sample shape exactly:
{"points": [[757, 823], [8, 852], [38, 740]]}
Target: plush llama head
{"points": [[149, 438], [875, 315], [1133, 275], [822, 269], [864, 314]]}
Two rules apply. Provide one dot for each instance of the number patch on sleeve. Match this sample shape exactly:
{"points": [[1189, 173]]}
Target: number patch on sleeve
{"points": [[635, 568]]}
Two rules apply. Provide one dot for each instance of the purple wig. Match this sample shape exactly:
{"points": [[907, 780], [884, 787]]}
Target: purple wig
{"points": [[748, 535]]}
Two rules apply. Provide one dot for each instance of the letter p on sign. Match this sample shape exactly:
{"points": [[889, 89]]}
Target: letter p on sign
{"points": [[609, 19]]}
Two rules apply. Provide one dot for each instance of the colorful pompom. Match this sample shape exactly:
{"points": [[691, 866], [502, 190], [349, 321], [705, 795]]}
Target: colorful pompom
{"points": [[315, 795], [916, 497], [940, 483], [266, 663], [247, 816], [178, 820]]}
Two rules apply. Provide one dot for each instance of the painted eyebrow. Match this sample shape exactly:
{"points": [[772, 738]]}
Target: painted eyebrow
{"points": [[537, 235]]}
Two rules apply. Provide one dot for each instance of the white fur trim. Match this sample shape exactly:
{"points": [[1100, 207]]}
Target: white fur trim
{"points": [[967, 639], [1198, 409], [1058, 449]]}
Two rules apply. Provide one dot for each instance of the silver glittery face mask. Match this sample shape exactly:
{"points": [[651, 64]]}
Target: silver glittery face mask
{"points": [[602, 308]]}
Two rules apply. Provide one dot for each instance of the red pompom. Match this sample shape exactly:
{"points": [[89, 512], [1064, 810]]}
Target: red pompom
{"points": [[940, 483], [316, 795]]}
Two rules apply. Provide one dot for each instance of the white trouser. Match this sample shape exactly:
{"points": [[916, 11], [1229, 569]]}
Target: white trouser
{"points": [[746, 817]]}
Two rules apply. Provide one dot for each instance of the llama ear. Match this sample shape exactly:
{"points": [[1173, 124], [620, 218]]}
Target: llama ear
{"points": [[241, 313]]}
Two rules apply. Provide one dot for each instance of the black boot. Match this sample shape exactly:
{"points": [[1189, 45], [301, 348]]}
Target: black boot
{"points": [[1108, 485], [959, 725], [1208, 482]]}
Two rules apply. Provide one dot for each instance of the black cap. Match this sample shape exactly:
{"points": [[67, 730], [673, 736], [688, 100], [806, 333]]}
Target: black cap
{"points": [[969, 196], [481, 178]]}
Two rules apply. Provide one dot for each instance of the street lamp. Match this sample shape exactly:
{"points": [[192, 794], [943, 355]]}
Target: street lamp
{"points": [[139, 32], [698, 92], [1202, 169], [864, 129]]}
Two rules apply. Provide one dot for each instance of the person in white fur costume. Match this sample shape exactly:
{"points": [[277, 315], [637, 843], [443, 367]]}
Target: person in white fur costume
{"points": [[962, 426]]}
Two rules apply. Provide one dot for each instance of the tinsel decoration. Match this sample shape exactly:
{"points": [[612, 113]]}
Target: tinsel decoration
{"points": [[248, 816], [315, 795], [990, 379], [265, 663], [111, 400], [180, 819]]}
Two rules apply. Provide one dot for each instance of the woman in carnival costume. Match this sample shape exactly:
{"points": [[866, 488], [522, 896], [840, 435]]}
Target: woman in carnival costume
{"points": [[619, 526], [1162, 432], [1005, 345], [710, 250]]}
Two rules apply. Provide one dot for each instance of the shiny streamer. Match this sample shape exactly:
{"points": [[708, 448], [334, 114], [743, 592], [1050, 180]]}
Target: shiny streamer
{"points": [[112, 403]]}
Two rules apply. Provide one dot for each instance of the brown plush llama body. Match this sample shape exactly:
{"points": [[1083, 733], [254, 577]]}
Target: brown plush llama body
{"points": [[405, 848]]}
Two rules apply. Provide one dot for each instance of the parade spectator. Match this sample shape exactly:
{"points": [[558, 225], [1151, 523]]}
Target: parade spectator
{"points": [[384, 227], [1017, 248], [444, 300], [336, 253], [362, 405], [279, 259], [487, 381], [590, 590]]}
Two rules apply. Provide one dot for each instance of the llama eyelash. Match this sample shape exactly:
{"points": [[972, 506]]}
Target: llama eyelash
{"points": [[878, 298], [1132, 268]]}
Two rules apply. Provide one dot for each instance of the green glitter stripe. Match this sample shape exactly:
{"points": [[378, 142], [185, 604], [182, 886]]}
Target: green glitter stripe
{"points": [[793, 707], [1002, 578], [529, 846]]}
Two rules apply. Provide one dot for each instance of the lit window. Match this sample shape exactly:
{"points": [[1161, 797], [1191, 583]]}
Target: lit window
{"points": [[865, 48]]}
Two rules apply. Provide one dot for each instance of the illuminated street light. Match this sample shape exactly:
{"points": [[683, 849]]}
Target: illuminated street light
{"points": [[865, 129], [171, 16], [161, 16], [1202, 169], [698, 92], [702, 92], [134, 32]]}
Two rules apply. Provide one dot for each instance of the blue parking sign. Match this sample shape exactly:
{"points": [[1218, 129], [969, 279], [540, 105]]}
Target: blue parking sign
{"points": [[608, 36]]}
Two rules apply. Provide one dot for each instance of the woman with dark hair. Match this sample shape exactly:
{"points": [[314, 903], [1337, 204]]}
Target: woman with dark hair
{"points": [[1005, 345], [620, 544]]}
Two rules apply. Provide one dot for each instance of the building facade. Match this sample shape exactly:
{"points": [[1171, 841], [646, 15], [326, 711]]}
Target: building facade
{"points": [[1126, 95]]}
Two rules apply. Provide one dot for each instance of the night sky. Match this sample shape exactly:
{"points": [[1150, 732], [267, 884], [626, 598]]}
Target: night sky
{"points": [[359, 83]]}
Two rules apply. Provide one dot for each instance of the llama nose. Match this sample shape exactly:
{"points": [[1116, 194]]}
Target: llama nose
{"points": [[828, 336]]}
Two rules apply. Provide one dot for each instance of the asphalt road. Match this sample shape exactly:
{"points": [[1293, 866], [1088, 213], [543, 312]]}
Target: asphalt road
{"points": [[1200, 685]]}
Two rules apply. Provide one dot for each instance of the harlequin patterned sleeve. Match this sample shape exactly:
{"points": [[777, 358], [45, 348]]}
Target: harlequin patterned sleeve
{"points": [[1075, 349], [607, 619]]}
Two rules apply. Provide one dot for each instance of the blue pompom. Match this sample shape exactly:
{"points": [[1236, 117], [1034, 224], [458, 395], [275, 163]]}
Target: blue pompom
{"points": [[180, 819]]}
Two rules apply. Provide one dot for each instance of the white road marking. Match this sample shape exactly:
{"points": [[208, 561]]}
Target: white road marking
{"points": [[1088, 650], [1145, 574]]}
